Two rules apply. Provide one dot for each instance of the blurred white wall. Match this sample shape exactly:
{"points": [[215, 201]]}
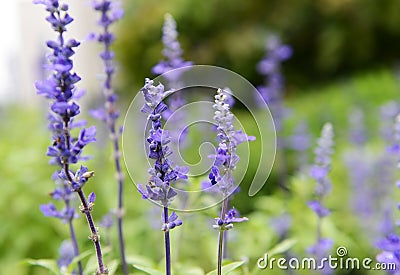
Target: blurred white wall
{"points": [[24, 33]]}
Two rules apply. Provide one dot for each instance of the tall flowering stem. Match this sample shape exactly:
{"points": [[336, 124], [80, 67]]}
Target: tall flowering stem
{"points": [[59, 88], [273, 89], [110, 13], [162, 174], [390, 245], [172, 60], [221, 177], [172, 51], [319, 171]]}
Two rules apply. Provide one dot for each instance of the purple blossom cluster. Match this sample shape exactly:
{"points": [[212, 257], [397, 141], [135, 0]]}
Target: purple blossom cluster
{"points": [[66, 150], [319, 171], [163, 174], [173, 60], [225, 160], [111, 12], [270, 68], [172, 51], [228, 139], [390, 245]]}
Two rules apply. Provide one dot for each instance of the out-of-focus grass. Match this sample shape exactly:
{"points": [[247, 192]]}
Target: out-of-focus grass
{"points": [[25, 183]]}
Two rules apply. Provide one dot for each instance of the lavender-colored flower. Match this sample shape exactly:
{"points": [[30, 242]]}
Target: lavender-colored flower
{"points": [[281, 224], [300, 142], [173, 59], [322, 164], [162, 174], [319, 172], [110, 12], [66, 149], [172, 50], [66, 252], [225, 160], [390, 254], [107, 220], [388, 112], [358, 133], [318, 208], [390, 245], [321, 248], [270, 68], [226, 223]]}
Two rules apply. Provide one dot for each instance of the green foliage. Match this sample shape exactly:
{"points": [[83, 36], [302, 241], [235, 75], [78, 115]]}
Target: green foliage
{"points": [[329, 37], [26, 233]]}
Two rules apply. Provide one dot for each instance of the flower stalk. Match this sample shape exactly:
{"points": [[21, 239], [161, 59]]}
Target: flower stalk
{"points": [[162, 174], [110, 13], [319, 171], [225, 160], [66, 150]]}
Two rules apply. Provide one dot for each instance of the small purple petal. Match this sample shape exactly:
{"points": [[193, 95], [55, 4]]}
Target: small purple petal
{"points": [[92, 197]]}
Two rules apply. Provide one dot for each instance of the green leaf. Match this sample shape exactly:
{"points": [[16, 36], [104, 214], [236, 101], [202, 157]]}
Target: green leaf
{"points": [[227, 268], [78, 258], [148, 270], [282, 247], [139, 260], [112, 267], [190, 271], [45, 263]]}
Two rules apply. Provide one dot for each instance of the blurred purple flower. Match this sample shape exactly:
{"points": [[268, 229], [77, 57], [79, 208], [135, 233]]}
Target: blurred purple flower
{"points": [[358, 132], [66, 252], [273, 88], [319, 172], [172, 51]]}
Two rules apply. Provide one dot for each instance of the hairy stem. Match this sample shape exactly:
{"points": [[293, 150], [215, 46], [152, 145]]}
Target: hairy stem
{"points": [[95, 237], [120, 210], [221, 237], [167, 245], [111, 109], [85, 208]]}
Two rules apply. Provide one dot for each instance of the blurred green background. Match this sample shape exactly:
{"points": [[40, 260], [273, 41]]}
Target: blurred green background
{"points": [[345, 57], [330, 38]]}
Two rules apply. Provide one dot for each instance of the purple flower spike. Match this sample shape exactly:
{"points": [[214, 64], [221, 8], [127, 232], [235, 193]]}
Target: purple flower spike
{"points": [[225, 158], [110, 12], [66, 149], [390, 245], [319, 172], [270, 68], [163, 173], [323, 154], [172, 50]]}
